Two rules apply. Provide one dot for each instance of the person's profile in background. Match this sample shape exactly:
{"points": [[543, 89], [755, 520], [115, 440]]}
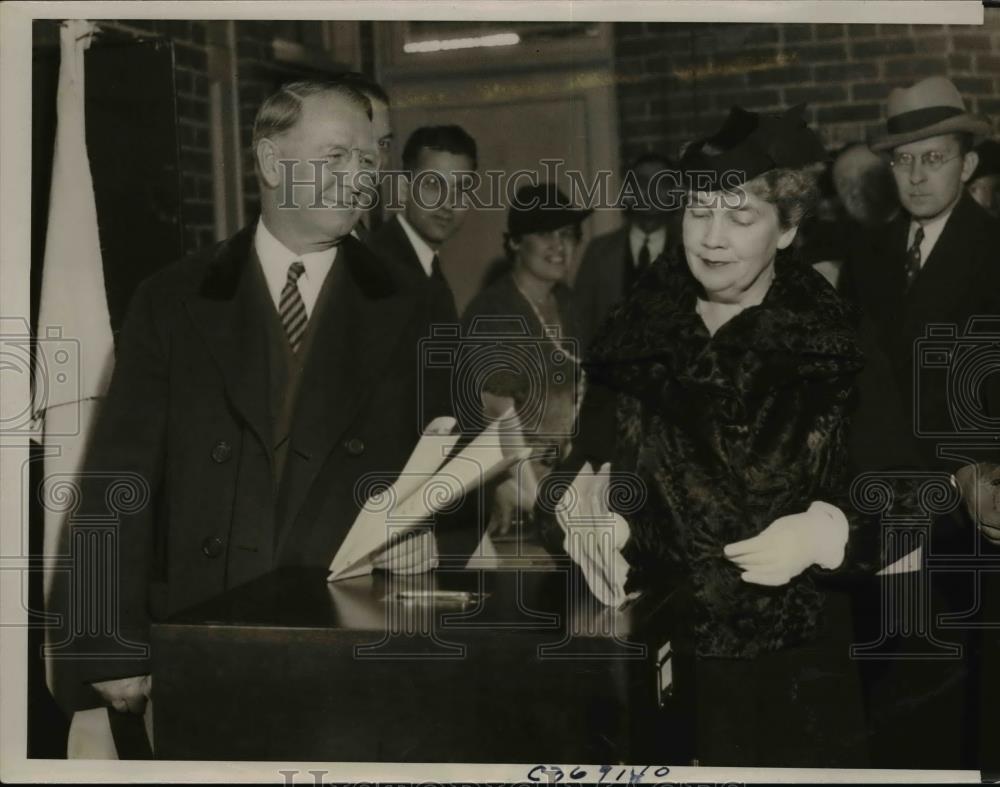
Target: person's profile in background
{"points": [[984, 183]]}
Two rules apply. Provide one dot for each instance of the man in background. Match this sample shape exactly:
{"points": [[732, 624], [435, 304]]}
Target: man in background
{"points": [[613, 261], [382, 128], [937, 263], [984, 183], [864, 183], [435, 161]]}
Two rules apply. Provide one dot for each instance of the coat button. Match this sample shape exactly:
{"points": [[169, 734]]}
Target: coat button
{"points": [[222, 451], [355, 446], [212, 546]]}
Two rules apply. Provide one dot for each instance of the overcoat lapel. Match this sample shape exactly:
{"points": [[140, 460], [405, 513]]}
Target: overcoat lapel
{"points": [[227, 313], [948, 270], [402, 249]]}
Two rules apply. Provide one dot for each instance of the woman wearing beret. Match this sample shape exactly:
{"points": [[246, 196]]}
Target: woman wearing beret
{"points": [[520, 335], [725, 386]]}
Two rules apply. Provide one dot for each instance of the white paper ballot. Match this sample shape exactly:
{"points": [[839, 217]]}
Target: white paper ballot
{"points": [[908, 563], [423, 488]]}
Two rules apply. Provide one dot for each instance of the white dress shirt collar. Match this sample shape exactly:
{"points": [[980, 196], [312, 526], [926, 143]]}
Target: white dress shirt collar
{"points": [[423, 250], [275, 258]]}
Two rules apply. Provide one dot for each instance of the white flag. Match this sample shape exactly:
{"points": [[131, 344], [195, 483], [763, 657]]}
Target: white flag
{"points": [[75, 346]]}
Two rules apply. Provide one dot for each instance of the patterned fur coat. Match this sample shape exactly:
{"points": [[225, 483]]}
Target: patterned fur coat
{"points": [[726, 434]]}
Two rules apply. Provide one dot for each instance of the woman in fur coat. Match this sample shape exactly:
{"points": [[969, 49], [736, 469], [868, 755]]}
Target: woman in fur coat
{"points": [[725, 387]]}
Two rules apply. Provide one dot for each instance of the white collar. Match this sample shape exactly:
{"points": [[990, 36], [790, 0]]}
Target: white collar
{"points": [[932, 231], [423, 250], [275, 258]]}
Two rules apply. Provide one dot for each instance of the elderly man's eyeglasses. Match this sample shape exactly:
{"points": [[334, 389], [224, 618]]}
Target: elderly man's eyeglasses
{"points": [[932, 160]]}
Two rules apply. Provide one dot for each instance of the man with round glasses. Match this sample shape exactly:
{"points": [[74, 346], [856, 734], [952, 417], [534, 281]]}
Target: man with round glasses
{"points": [[938, 263]]}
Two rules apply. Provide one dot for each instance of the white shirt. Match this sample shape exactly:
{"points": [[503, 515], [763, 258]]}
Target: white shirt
{"points": [[636, 239], [424, 252], [275, 258], [932, 231]]}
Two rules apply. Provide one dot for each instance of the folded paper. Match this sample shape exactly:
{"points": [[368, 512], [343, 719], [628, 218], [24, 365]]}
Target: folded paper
{"points": [[431, 481]]}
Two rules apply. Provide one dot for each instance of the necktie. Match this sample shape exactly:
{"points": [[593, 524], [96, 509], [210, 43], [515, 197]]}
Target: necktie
{"points": [[436, 269], [913, 257], [643, 262], [292, 309]]}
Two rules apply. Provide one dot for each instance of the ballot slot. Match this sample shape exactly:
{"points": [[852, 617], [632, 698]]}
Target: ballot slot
{"points": [[664, 674]]}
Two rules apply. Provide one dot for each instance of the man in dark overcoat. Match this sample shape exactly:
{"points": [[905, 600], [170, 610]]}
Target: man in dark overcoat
{"points": [[256, 383], [931, 284]]}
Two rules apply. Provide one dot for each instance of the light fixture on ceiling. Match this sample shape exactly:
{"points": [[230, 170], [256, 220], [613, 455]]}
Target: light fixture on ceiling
{"points": [[473, 42]]}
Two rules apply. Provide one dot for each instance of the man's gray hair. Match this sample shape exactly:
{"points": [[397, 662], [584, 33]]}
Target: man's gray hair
{"points": [[282, 109]]}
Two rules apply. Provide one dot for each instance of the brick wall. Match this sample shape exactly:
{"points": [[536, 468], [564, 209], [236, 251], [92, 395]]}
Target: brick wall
{"points": [[256, 80], [191, 78], [677, 81], [257, 75], [190, 74]]}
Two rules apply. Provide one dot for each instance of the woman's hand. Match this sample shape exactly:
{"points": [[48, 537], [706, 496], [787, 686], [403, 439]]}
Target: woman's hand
{"points": [[594, 535], [790, 544]]}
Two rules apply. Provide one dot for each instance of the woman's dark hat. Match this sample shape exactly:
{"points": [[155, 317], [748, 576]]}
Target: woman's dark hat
{"points": [[750, 144], [541, 208]]}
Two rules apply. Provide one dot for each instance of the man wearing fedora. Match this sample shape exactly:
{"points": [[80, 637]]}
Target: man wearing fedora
{"points": [[937, 262]]}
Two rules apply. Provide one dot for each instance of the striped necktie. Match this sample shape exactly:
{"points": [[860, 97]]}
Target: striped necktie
{"points": [[292, 308], [913, 257]]}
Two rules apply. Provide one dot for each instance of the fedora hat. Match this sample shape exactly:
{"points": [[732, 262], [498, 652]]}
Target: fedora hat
{"points": [[931, 107]]}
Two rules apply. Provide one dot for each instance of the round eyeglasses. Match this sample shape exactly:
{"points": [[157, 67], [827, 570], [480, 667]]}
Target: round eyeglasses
{"points": [[932, 160]]}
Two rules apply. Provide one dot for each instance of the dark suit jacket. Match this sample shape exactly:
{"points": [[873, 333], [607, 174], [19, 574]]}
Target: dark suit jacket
{"points": [[959, 280], [600, 279], [391, 244], [186, 423]]}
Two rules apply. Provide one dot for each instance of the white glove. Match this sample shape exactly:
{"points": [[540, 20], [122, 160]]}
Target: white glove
{"points": [[414, 555], [594, 536], [790, 544]]}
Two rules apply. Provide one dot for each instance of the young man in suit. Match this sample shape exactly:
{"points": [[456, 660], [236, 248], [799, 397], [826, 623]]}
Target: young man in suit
{"points": [[613, 261], [937, 262], [434, 159], [256, 382]]}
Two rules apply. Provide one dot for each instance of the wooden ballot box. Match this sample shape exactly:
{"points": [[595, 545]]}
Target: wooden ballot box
{"points": [[519, 666]]}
